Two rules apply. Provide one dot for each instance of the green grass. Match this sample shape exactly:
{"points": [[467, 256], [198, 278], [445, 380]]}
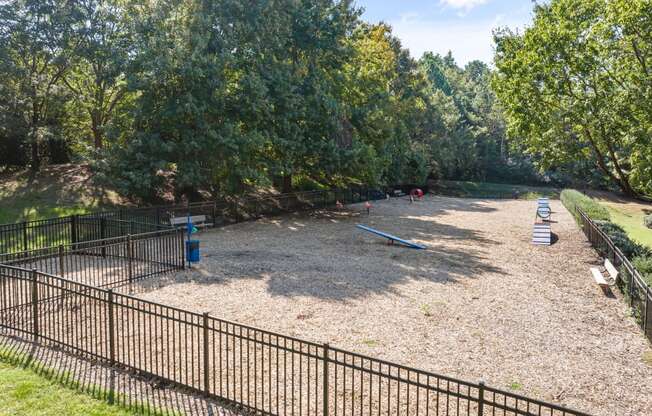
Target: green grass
{"points": [[493, 190], [632, 223], [29, 387], [27, 209], [55, 191], [24, 392]]}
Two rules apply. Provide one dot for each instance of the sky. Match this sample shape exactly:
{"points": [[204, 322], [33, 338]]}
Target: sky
{"points": [[461, 26]]}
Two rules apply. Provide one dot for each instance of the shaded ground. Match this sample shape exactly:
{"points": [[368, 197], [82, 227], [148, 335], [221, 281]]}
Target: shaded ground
{"points": [[480, 303], [56, 190], [469, 189]]}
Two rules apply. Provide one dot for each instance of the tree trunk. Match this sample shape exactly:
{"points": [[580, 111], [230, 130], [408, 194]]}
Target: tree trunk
{"points": [[35, 163], [96, 130], [622, 180], [287, 184]]}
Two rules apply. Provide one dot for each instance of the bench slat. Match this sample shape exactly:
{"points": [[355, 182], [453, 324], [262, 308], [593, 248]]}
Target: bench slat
{"points": [[599, 278], [184, 220], [613, 272]]}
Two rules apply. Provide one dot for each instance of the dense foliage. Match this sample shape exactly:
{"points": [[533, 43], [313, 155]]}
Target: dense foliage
{"points": [[190, 96], [577, 87], [573, 199]]}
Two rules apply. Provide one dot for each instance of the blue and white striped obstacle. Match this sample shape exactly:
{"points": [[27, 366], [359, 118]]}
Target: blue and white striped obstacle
{"points": [[542, 232], [391, 238]]}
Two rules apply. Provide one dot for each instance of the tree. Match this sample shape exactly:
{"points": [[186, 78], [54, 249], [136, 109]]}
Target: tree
{"points": [[97, 77], [36, 47], [576, 85]]}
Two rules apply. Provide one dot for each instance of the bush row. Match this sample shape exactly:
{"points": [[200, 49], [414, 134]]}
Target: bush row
{"points": [[641, 256], [573, 199]]}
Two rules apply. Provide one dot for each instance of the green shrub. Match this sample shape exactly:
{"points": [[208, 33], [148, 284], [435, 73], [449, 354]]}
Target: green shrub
{"points": [[644, 266], [647, 220], [573, 199], [619, 237]]}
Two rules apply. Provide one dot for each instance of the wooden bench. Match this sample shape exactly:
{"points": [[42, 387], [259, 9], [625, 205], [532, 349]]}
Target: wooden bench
{"points": [[611, 269], [599, 278], [198, 221]]}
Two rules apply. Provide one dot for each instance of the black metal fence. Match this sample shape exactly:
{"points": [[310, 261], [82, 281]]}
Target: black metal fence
{"points": [[110, 262], [630, 282], [31, 235], [258, 370], [56, 286]]}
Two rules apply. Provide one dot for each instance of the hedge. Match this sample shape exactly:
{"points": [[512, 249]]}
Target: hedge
{"points": [[644, 266], [573, 199]]}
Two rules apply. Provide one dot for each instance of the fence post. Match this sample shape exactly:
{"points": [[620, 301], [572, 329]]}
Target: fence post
{"points": [[111, 328], [35, 304], [214, 213], [325, 378], [158, 215], [130, 257], [25, 247], [103, 235], [481, 398], [74, 236], [205, 361], [111, 338], [631, 288], [62, 271], [647, 307], [183, 249]]}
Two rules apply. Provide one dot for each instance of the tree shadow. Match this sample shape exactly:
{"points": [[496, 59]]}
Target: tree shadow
{"points": [[328, 258], [53, 190]]}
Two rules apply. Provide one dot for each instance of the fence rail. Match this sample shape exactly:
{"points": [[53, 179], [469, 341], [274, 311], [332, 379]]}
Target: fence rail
{"points": [[630, 282], [109, 263], [258, 370], [31, 235]]}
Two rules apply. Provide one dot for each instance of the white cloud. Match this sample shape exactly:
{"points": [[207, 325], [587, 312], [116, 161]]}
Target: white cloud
{"points": [[463, 4]]}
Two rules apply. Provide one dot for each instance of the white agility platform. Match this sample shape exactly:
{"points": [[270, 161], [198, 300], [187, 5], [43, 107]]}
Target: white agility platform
{"points": [[542, 234]]}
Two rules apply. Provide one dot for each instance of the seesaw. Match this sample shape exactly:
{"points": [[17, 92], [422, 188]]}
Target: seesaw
{"points": [[391, 238]]}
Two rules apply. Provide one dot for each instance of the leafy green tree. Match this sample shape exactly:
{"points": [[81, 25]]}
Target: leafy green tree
{"points": [[575, 85], [36, 50], [97, 76]]}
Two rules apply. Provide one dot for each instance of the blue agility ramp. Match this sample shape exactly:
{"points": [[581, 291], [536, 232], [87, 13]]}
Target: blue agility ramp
{"points": [[391, 238]]}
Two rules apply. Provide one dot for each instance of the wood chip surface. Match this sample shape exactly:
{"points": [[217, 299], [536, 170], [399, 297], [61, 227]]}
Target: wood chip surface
{"points": [[481, 303]]}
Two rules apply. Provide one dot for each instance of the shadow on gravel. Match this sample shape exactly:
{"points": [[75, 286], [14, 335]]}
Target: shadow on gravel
{"points": [[332, 260]]}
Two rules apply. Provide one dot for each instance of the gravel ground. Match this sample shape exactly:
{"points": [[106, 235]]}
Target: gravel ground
{"points": [[480, 303]]}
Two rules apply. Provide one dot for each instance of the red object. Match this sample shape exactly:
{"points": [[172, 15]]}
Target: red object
{"points": [[418, 193]]}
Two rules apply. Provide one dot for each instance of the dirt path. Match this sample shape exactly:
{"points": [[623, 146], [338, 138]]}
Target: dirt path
{"points": [[480, 303]]}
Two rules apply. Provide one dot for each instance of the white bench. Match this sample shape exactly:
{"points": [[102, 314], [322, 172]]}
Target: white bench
{"points": [[599, 277], [611, 269], [196, 220]]}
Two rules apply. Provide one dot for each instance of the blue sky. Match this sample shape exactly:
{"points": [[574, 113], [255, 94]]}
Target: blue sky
{"points": [[462, 26]]}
